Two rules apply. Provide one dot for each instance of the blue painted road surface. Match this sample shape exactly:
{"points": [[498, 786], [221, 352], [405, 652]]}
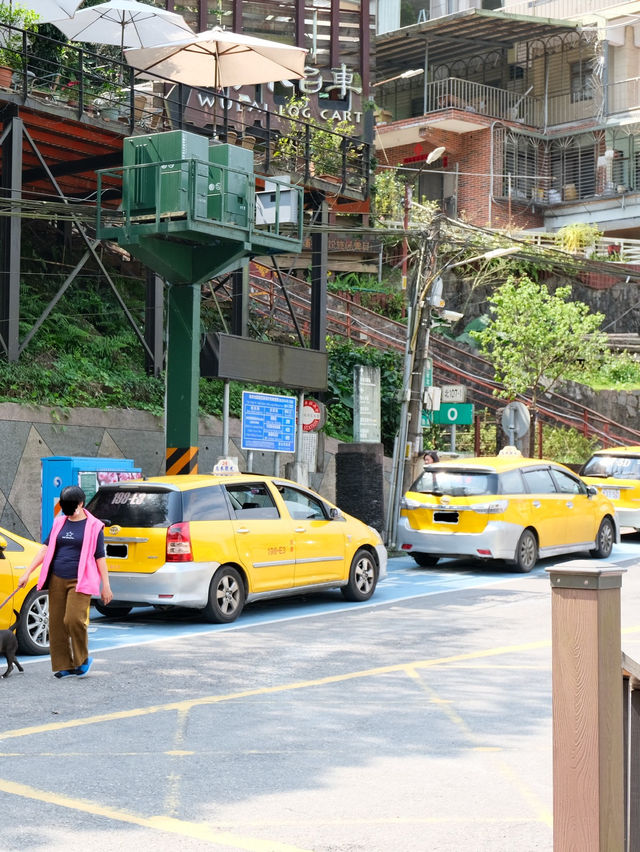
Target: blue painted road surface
{"points": [[405, 581]]}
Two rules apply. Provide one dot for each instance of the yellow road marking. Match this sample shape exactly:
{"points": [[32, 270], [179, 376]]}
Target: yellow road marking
{"points": [[174, 777], [204, 832], [199, 831], [190, 703], [529, 797]]}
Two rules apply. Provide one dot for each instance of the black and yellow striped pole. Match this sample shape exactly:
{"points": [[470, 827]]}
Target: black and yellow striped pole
{"points": [[183, 378]]}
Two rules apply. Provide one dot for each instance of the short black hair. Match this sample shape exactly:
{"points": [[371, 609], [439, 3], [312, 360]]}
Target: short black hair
{"points": [[432, 453], [73, 494]]}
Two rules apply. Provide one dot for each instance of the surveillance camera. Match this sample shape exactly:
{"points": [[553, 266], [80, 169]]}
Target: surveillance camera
{"points": [[451, 316]]}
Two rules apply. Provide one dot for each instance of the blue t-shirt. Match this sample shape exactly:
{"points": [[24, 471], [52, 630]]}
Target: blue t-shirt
{"points": [[66, 557]]}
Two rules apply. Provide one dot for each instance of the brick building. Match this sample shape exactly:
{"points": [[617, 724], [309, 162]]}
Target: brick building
{"points": [[537, 106]]}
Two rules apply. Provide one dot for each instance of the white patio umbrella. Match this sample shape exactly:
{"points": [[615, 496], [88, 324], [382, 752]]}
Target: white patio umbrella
{"points": [[52, 10], [218, 58], [126, 23]]}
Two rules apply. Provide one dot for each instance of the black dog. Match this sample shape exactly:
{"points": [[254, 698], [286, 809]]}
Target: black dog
{"points": [[9, 647]]}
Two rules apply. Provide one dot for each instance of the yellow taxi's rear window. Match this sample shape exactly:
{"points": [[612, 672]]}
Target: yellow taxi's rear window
{"points": [[614, 466], [136, 507], [456, 483]]}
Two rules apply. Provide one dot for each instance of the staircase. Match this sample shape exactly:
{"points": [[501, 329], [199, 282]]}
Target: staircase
{"points": [[453, 363]]}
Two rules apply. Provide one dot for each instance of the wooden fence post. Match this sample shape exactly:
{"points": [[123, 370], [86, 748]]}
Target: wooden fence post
{"points": [[588, 790]]}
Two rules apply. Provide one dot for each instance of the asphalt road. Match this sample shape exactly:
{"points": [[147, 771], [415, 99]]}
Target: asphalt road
{"points": [[419, 721]]}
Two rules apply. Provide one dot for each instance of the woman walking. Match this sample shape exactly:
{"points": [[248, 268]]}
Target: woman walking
{"points": [[73, 569]]}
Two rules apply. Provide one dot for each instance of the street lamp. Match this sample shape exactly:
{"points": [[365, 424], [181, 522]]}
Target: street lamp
{"points": [[413, 72], [416, 349]]}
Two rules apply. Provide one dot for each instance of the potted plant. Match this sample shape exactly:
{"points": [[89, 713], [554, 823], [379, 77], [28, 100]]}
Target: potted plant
{"points": [[289, 149], [11, 58], [326, 142], [328, 148]]}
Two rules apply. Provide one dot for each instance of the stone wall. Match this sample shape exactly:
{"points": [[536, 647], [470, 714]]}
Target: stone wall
{"points": [[28, 433], [620, 406]]}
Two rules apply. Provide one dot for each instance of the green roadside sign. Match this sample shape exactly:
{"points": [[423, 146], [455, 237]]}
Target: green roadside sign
{"points": [[452, 414]]}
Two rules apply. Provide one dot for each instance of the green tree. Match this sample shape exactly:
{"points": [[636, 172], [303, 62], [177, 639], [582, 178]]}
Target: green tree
{"points": [[536, 339]]}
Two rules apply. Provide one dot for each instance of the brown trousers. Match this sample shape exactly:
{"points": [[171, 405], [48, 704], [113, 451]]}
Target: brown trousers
{"points": [[68, 622]]}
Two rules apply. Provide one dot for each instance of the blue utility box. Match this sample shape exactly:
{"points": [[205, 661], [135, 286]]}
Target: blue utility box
{"points": [[87, 472]]}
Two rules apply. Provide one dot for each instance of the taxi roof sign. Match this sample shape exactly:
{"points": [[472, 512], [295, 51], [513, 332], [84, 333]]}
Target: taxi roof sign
{"points": [[226, 466]]}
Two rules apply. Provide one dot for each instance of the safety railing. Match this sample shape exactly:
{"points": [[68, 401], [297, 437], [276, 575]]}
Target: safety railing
{"points": [[87, 87], [193, 194], [466, 95], [453, 364]]}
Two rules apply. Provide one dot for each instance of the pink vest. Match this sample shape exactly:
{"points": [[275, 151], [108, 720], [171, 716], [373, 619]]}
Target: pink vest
{"points": [[88, 574]]}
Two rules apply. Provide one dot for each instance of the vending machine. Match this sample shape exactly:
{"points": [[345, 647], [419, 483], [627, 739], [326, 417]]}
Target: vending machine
{"points": [[88, 473]]}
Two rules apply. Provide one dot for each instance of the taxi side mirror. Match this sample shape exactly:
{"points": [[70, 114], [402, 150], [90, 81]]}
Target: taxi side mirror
{"points": [[335, 514], [591, 490]]}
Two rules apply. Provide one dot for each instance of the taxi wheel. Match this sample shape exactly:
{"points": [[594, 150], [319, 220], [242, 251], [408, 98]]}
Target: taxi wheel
{"points": [[526, 554], [604, 540], [363, 576], [33, 626], [226, 596], [111, 611], [425, 560]]}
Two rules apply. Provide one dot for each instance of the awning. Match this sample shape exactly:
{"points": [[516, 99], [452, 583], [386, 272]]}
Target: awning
{"points": [[464, 33]]}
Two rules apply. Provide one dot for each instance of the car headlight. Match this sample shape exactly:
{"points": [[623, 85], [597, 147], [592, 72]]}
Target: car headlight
{"points": [[408, 503], [497, 507]]}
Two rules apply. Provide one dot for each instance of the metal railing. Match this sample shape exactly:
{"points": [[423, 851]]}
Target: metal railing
{"points": [[87, 87], [453, 363], [454, 93], [623, 95], [194, 193], [566, 106]]}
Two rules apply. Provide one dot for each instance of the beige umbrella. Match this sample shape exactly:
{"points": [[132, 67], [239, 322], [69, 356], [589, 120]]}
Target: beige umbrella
{"points": [[218, 58]]}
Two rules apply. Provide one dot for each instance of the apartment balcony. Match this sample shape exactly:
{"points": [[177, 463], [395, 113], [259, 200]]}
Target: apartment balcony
{"points": [[456, 106], [474, 99]]}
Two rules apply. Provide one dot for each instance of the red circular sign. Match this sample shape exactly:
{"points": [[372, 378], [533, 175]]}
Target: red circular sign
{"points": [[311, 415]]}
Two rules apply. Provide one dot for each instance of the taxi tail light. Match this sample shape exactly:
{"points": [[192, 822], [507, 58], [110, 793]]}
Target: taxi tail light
{"points": [[179, 543], [496, 507]]}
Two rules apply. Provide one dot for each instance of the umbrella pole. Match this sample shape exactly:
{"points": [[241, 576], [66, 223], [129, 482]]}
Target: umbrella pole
{"points": [[121, 52]]}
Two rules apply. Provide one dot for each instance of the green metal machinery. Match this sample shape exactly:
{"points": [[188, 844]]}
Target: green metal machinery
{"points": [[189, 213], [188, 207]]}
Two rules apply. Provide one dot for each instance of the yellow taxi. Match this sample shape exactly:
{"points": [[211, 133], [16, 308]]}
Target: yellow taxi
{"points": [[504, 508], [616, 474], [214, 543], [16, 554]]}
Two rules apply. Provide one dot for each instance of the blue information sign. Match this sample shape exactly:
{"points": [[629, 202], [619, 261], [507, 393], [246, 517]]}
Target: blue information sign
{"points": [[268, 422]]}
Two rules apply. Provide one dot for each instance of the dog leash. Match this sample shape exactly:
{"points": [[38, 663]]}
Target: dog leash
{"points": [[6, 600]]}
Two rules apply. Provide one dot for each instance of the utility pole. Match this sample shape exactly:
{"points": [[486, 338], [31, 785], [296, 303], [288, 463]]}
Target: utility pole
{"points": [[422, 328]]}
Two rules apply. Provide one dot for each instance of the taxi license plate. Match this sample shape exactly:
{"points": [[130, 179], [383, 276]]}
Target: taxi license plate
{"points": [[611, 493], [116, 551]]}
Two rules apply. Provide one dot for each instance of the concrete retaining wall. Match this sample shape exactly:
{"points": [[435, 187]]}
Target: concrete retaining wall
{"points": [[27, 433]]}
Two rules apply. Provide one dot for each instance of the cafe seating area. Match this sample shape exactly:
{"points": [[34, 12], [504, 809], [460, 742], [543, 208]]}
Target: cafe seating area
{"points": [[91, 90]]}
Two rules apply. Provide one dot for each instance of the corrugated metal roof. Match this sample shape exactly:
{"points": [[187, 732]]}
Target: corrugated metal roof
{"points": [[464, 33]]}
